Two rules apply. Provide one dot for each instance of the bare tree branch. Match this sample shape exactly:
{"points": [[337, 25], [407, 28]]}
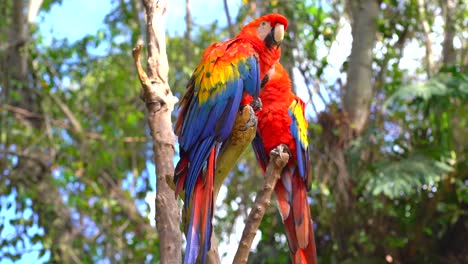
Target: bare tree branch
{"points": [[65, 109], [278, 159], [188, 32], [228, 18], [160, 103], [313, 87], [74, 121]]}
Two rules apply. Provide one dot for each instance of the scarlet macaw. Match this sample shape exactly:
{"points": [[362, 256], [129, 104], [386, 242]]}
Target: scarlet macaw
{"points": [[229, 74], [282, 121]]}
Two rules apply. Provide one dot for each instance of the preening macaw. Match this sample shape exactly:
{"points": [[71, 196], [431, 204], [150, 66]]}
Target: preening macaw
{"points": [[282, 121], [229, 74]]}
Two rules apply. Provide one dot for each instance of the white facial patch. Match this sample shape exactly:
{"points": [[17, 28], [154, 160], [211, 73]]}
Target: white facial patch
{"points": [[263, 29], [271, 72]]}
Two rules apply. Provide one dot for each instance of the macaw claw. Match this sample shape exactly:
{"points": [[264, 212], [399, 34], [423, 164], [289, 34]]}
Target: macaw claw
{"points": [[248, 117], [252, 122], [278, 155], [256, 104]]}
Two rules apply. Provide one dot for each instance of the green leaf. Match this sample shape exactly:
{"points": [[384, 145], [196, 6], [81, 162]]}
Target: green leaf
{"points": [[406, 176]]}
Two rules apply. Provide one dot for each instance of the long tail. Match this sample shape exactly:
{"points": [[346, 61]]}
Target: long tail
{"points": [[291, 194], [200, 208]]}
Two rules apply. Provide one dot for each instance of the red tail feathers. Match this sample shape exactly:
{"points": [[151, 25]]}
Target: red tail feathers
{"points": [[291, 194], [201, 211]]}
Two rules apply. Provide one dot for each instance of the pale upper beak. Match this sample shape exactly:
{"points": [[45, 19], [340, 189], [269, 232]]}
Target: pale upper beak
{"points": [[278, 33]]}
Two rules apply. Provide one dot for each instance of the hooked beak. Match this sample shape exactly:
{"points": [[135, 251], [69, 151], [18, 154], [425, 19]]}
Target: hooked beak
{"points": [[278, 33], [275, 37]]}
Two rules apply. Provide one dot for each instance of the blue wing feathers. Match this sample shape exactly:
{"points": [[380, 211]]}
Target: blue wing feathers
{"points": [[197, 159], [259, 151], [203, 124], [300, 161], [253, 79], [193, 242], [231, 110], [207, 244]]}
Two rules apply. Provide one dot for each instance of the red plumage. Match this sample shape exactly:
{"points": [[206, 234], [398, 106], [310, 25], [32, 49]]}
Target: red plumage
{"points": [[281, 121]]}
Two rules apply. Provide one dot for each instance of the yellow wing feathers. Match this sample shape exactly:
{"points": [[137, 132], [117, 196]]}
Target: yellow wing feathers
{"points": [[212, 77], [298, 112]]}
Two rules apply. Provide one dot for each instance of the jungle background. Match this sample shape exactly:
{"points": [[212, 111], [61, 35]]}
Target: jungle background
{"points": [[388, 128]]}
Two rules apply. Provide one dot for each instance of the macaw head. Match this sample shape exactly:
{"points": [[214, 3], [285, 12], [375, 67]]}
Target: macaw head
{"points": [[279, 74], [279, 84], [269, 28]]}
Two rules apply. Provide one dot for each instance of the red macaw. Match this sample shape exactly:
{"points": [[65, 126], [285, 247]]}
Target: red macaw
{"points": [[282, 121], [229, 74]]}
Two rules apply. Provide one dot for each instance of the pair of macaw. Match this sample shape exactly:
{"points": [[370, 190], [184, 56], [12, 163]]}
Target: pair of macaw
{"points": [[232, 74]]}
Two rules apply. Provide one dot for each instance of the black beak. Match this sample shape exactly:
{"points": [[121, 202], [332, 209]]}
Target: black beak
{"points": [[270, 41], [264, 81]]}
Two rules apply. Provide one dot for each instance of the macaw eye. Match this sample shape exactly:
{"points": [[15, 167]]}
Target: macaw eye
{"points": [[263, 24]]}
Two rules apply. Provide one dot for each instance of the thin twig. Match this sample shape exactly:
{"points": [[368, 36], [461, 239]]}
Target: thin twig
{"points": [[66, 110], [188, 32], [278, 159], [228, 18]]}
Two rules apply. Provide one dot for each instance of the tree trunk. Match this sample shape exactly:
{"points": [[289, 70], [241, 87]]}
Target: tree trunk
{"points": [[160, 103], [358, 93], [430, 64], [16, 64], [449, 56], [448, 53]]}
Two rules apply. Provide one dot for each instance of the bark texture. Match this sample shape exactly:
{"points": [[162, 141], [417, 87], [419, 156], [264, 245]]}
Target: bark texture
{"points": [[358, 94], [278, 159], [160, 103]]}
